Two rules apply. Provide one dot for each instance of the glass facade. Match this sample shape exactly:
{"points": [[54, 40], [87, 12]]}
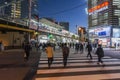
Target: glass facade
{"points": [[104, 15], [17, 8], [25, 8]]}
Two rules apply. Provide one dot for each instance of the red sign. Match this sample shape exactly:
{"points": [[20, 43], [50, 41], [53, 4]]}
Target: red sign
{"points": [[104, 4]]}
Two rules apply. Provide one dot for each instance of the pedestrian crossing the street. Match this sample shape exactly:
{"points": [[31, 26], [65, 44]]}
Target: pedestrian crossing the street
{"points": [[79, 67]]}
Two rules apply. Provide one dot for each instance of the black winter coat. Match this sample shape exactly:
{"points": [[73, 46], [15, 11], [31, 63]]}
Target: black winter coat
{"points": [[100, 52]]}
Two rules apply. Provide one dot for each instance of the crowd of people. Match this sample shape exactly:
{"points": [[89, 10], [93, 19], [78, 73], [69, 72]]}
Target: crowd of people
{"points": [[49, 49]]}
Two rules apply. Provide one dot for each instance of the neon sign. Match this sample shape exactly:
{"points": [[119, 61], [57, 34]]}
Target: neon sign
{"points": [[99, 8]]}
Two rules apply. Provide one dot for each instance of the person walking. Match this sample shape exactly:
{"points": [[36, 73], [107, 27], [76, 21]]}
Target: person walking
{"points": [[100, 54], [27, 48], [49, 51], [81, 48], [89, 48], [65, 51], [1, 46], [76, 48]]}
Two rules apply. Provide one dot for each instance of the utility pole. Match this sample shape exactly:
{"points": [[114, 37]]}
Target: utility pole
{"points": [[29, 13], [27, 38]]}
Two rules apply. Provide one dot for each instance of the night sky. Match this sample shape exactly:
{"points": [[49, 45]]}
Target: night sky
{"points": [[72, 11]]}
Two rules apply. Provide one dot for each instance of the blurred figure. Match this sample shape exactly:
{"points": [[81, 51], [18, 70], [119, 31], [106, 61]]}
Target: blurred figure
{"points": [[1, 46], [89, 48], [27, 48], [76, 47], [65, 51], [100, 54], [81, 47], [49, 51]]}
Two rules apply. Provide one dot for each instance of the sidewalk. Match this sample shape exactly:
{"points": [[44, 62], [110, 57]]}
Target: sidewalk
{"points": [[13, 66]]}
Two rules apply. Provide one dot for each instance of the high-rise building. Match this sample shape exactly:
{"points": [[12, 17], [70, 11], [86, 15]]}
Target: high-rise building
{"points": [[104, 12], [65, 25], [25, 8], [5, 8], [104, 21], [18, 8]]}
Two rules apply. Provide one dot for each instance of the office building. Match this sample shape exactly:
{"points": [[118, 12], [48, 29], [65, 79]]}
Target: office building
{"points": [[104, 12], [104, 21], [25, 8], [5, 8], [18, 8]]}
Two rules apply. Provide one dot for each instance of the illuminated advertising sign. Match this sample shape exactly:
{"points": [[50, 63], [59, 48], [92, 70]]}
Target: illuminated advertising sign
{"points": [[100, 32], [98, 8], [33, 25], [103, 32]]}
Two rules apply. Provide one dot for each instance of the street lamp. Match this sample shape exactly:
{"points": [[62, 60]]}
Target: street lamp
{"points": [[81, 33], [79, 28]]}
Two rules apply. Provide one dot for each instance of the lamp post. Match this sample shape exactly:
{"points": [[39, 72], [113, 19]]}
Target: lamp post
{"points": [[79, 33]]}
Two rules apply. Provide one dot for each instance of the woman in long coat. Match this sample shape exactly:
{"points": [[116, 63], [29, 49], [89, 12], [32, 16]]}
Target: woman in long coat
{"points": [[49, 51]]}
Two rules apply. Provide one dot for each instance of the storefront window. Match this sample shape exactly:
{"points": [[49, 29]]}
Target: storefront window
{"points": [[116, 33]]}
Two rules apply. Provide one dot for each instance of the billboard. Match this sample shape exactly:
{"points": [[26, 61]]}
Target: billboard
{"points": [[98, 8], [100, 32], [33, 25]]}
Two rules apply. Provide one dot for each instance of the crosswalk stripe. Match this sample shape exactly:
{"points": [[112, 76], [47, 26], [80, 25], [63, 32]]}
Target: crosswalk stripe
{"points": [[79, 68]]}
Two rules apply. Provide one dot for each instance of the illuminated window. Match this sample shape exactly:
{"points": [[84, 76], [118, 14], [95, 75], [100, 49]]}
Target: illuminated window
{"points": [[94, 2], [117, 12], [94, 16], [105, 15], [101, 17], [116, 2], [105, 22], [94, 22]]}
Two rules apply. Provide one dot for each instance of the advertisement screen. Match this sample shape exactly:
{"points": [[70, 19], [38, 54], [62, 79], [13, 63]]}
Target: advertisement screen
{"points": [[100, 32]]}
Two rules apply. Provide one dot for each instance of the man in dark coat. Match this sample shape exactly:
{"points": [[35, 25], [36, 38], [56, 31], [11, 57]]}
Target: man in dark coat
{"points": [[65, 51], [100, 54], [89, 48]]}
